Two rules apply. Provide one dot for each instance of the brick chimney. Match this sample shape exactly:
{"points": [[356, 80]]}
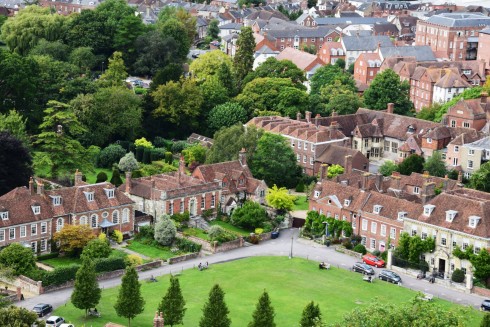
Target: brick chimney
{"points": [[379, 182], [128, 182], [323, 171], [40, 188], [365, 181], [308, 116], [460, 177], [390, 108], [348, 164], [158, 320], [317, 120], [395, 176], [334, 114], [78, 178], [181, 168], [31, 186], [428, 191], [242, 157], [298, 115]]}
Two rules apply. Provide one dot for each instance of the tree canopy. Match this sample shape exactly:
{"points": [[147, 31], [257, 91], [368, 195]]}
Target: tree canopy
{"points": [[277, 69], [215, 310], [86, 291], [328, 75], [173, 303], [244, 57], [129, 302], [435, 165], [15, 162], [279, 198], [480, 179], [209, 63], [412, 164], [226, 115]]}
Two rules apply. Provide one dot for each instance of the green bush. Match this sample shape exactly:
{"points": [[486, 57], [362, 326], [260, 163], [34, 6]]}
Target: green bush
{"points": [[169, 157], [110, 155], [458, 276], [17, 257], [101, 177], [267, 227], [186, 245], [147, 155], [158, 154], [60, 275], [384, 256], [178, 146], [139, 153], [109, 264], [347, 244], [145, 232], [300, 187], [218, 233], [116, 178], [47, 256], [181, 217], [250, 216], [96, 248], [376, 253], [359, 248], [161, 142]]}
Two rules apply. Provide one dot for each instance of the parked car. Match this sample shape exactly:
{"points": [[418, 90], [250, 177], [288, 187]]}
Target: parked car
{"points": [[54, 321], [485, 305], [390, 276], [42, 309], [363, 268], [373, 260]]}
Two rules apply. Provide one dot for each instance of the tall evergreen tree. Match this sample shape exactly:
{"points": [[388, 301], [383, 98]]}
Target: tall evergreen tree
{"points": [[173, 304], [311, 315], [86, 292], [226, 78], [263, 315], [215, 311], [244, 57], [15, 162], [129, 303]]}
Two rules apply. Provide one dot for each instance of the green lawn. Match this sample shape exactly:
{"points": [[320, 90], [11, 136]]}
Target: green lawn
{"points": [[196, 232], [291, 285], [67, 261], [155, 252], [230, 227], [90, 176], [301, 203]]}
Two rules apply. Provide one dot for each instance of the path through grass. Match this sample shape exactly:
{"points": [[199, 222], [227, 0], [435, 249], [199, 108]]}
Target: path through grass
{"points": [[291, 285]]}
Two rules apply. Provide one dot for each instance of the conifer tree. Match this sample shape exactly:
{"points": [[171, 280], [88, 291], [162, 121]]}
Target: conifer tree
{"points": [[263, 315], [215, 311], [129, 303], [244, 58], [86, 292], [173, 304], [311, 315]]}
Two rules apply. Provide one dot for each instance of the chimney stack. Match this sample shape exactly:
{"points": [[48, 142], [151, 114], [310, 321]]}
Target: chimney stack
{"points": [[308, 116], [484, 96], [242, 157], [158, 320], [348, 164], [31, 186], [395, 176], [298, 115], [78, 178], [128, 182], [379, 182], [323, 171], [365, 181], [460, 177], [40, 188], [334, 114], [391, 107], [317, 120], [428, 191]]}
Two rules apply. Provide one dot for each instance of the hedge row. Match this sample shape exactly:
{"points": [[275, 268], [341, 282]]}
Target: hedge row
{"points": [[187, 245]]}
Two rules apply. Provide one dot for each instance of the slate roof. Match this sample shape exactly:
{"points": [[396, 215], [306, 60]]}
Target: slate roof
{"points": [[349, 20], [485, 31], [365, 43], [231, 26], [483, 144], [300, 31], [419, 52], [459, 19], [385, 27]]}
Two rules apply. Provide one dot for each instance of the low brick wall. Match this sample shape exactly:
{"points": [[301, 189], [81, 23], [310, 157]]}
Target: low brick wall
{"points": [[183, 258], [410, 272], [207, 246], [265, 236], [481, 291], [348, 252], [229, 245], [29, 285]]}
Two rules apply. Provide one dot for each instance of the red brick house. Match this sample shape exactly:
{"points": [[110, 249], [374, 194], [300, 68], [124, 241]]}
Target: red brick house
{"points": [[366, 67], [472, 113], [331, 51]]}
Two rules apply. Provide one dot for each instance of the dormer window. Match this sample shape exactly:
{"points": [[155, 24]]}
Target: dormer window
{"points": [[410, 129], [109, 192], [401, 215], [317, 194], [450, 214], [346, 202], [377, 208], [428, 208], [56, 200], [36, 209], [473, 221], [4, 215], [89, 196], [241, 181]]}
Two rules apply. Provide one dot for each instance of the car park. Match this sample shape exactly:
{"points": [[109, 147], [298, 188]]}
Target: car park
{"points": [[390, 276], [54, 321], [373, 260], [485, 305], [363, 268], [42, 309]]}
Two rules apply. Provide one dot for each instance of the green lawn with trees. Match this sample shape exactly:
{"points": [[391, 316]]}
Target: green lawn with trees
{"points": [[152, 251], [290, 284]]}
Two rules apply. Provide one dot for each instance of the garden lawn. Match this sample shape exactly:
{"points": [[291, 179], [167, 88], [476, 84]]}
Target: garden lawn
{"points": [[230, 227], [90, 176], [291, 285], [301, 203], [155, 252], [67, 261], [196, 232]]}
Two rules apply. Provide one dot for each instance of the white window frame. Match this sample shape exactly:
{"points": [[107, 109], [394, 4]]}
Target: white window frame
{"points": [[4, 215], [44, 245], [374, 227], [44, 227], [392, 233], [125, 215], [2, 235], [94, 221], [23, 231], [33, 229], [115, 217], [383, 230], [12, 229], [364, 225]]}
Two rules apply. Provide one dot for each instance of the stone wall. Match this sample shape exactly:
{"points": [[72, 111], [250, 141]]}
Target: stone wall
{"points": [[481, 291], [265, 236], [206, 246], [348, 252], [29, 285], [229, 245], [213, 247], [183, 258]]}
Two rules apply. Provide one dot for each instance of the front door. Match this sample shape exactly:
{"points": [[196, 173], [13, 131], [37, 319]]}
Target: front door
{"points": [[442, 267], [192, 207]]}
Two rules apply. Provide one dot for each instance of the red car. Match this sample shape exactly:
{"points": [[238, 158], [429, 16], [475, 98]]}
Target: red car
{"points": [[373, 261]]}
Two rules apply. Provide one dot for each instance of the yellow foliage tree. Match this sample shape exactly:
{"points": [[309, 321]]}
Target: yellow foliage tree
{"points": [[73, 238], [279, 198]]}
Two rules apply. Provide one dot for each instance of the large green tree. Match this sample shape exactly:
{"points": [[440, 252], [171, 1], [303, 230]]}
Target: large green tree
{"points": [[311, 316], [244, 57], [115, 74], [209, 63], [250, 216], [412, 164], [86, 291], [278, 69], [18, 258], [215, 311], [173, 304], [274, 161], [176, 29], [328, 75], [480, 179], [154, 51], [263, 315], [481, 265], [386, 88], [19, 317], [226, 115], [58, 148], [129, 302], [435, 165], [15, 162], [339, 98], [229, 141], [54, 49]]}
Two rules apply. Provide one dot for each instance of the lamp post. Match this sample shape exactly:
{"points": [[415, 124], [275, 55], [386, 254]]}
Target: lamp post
{"points": [[291, 252]]}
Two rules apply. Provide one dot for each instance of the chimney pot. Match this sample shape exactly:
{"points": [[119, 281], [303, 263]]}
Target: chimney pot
{"points": [[308, 116], [323, 171], [128, 182], [40, 188], [78, 178], [242, 157], [348, 164], [31, 186], [298, 116]]}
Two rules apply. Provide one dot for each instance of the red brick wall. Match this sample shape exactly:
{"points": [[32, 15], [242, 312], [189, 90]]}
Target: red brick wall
{"points": [[484, 48]]}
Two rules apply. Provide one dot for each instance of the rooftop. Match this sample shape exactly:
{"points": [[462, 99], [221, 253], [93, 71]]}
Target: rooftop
{"points": [[459, 19]]}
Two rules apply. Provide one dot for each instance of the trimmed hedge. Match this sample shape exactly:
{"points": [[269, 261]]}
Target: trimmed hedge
{"points": [[109, 264], [47, 256], [360, 249], [458, 276], [186, 245]]}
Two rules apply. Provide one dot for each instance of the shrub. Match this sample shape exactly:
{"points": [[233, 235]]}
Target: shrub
{"points": [[217, 233], [259, 231], [178, 146], [101, 177], [146, 232], [458, 276], [96, 248], [161, 142], [143, 142], [139, 153], [206, 214], [347, 244], [376, 253], [137, 174], [51, 255], [300, 187], [181, 217], [109, 264], [116, 178], [250, 216], [133, 260], [147, 155], [59, 275], [359, 248], [165, 231], [186, 245], [254, 239], [157, 154], [117, 236], [110, 155], [169, 157], [384, 256], [102, 237], [267, 227], [17, 257], [128, 162]]}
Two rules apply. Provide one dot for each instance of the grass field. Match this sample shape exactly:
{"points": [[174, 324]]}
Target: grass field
{"points": [[155, 252], [196, 232], [300, 203], [291, 285], [67, 261], [230, 227]]}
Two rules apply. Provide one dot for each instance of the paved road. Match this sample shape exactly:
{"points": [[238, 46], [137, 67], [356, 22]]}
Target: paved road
{"points": [[278, 247]]}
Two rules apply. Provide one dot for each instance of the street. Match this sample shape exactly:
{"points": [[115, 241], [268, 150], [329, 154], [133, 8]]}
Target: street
{"points": [[278, 247]]}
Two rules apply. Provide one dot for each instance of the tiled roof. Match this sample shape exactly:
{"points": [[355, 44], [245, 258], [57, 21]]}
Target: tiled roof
{"points": [[300, 58], [419, 52], [365, 43], [18, 203], [460, 20], [348, 20], [452, 79], [334, 154]]}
